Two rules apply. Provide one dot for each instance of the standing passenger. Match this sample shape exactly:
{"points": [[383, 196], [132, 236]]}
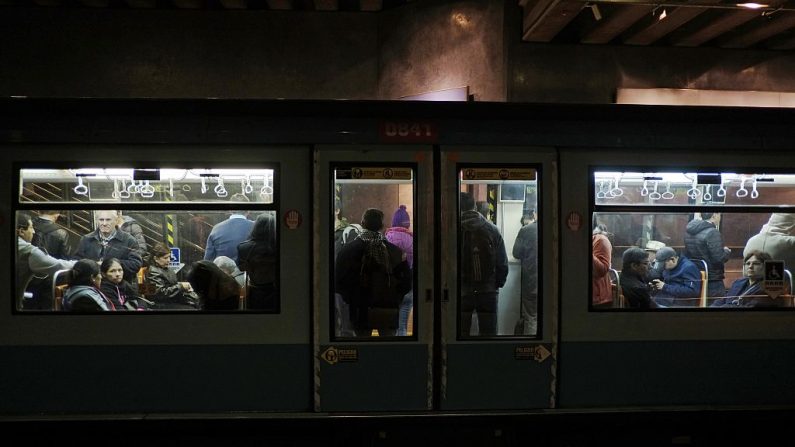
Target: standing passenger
{"points": [[131, 226], [53, 240], [372, 276], [703, 241], [49, 235], [32, 261], [600, 281], [400, 235], [776, 239], [108, 242], [258, 258], [227, 235], [525, 248], [484, 264]]}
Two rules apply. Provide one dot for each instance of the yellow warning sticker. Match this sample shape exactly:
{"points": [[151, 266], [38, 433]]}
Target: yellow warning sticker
{"points": [[374, 173], [498, 174]]}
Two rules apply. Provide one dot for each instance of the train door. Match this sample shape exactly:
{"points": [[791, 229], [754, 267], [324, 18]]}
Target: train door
{"points": [[374, 222], [497, 313]]}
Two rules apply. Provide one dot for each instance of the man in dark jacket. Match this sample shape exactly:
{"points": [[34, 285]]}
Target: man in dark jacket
{"points": [[681, 283], [525, 248], [108, 242], [484, 268], [372, 275], [703, 241], [635, 267], [54, 240]]}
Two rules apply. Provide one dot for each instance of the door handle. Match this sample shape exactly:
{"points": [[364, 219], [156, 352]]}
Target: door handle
{"points": [[445, 296], [428, 295]]}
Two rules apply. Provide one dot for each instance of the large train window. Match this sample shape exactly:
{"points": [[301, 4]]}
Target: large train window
{"points": [[685, 240], [498, 252], [374, 262], [102, 239]]}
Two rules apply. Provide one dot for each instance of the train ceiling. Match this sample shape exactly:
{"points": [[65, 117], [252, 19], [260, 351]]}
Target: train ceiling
{"points": [[673, 23], [677, 23]]}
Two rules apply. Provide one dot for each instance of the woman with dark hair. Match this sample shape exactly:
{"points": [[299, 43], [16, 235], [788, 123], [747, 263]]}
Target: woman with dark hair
{"points": [[83, 294], [116, 288], [169, 293], [257, 257]]}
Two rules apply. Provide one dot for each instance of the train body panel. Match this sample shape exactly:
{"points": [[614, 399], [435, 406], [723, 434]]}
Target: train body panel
{"points": [[447, 343]]}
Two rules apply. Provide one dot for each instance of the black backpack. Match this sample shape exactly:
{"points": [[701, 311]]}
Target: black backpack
{"points": [[478, 256], [378, 283]]}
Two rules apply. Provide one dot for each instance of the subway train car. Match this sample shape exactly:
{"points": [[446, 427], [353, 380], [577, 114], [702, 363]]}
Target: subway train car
{"points": [[280, 188]]}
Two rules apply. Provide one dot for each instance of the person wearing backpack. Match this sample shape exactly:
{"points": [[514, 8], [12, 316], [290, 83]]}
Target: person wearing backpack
{"points": [[484, 268], [372, 275], [344, 232], [54, 241]]}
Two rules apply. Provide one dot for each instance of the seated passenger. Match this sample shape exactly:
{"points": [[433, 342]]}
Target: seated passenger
{"points": [[229, 267], [117, 289], [681, 284], [83, 294], [748, 291], [634, 268], [169, 293], [216, 289]]}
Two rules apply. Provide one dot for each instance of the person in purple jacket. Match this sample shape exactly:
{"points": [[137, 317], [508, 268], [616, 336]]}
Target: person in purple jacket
{"points": [[400, 235]]}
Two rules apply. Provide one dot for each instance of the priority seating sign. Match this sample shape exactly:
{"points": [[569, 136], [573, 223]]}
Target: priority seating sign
{"points": [[774, 278]]}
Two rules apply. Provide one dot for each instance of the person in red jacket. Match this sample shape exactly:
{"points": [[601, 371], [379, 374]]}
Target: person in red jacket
{"points": [[602, 252]]}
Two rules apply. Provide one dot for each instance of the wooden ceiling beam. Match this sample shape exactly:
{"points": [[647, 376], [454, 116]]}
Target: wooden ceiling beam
{"points": [[657, 29], [765, 29], [544, 19], [616, 23], [721, 25]]}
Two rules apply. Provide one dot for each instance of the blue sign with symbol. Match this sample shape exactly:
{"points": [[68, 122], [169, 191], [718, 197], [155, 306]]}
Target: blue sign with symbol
{"points": [[174, 261]]}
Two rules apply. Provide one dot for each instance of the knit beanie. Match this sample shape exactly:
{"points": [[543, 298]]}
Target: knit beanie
{"points": [[401, 218]]}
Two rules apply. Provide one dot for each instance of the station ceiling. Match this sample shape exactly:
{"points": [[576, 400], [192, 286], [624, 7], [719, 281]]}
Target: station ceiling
{"points": [[675, 23]]}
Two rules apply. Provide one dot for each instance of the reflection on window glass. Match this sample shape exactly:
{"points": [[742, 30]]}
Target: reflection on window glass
{"points": [[653, 259], [498, 252], [221, 258], [373, 252]]}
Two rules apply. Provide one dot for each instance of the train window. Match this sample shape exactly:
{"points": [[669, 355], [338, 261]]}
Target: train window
{"points": [[373, 270], [133, 239], [498, 252], [685, 240]]}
